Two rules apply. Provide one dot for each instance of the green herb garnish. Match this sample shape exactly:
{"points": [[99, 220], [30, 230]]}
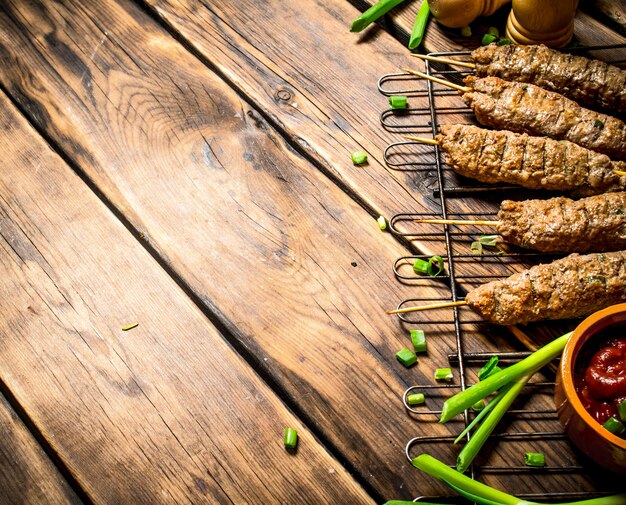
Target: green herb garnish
{"points": [[418, 338], [406, 357], [359, 157], [290, 438], [534, 459], [373, 13]]}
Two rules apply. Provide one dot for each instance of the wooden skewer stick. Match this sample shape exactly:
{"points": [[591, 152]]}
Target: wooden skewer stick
{"points": [[462, 89], [448, 61], [421, 140], [619, 172], [404, 310], [480, 222]]}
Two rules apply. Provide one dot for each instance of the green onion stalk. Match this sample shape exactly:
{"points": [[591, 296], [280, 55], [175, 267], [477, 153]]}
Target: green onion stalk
{"points": [[528, 366], [419, 27], [373, 13], [486, 495], [480, 436]]}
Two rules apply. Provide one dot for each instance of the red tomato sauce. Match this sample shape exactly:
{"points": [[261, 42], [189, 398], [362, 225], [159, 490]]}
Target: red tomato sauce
{"points": [[600, 377]]}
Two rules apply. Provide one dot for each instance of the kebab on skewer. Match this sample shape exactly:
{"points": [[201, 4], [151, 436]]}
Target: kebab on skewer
{"points": [[526, 108], [574, 286], [531, 162], [595, 223], [586, 81]]}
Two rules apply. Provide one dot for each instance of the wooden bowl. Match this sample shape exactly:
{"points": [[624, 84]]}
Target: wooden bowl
{"points": [[602, 446]]}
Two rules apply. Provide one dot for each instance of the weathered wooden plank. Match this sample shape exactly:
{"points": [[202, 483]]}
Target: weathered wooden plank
{"points": [[27, 476], [164, 413], [288, 263], [276, 274]]}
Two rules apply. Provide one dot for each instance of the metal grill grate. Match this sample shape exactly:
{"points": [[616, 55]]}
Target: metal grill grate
{"points": [[463, 269]]}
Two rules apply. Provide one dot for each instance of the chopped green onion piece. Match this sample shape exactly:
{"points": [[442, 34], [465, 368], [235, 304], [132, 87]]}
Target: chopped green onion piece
{"points": [[382, 223], [291, 438], [614, 425], [621, 410], [488, 240], [130, 327], [488, 39], [418, 338], [373, 13], [419, 26], [598, 124], [415, 399], [466, 31], [406, 357], [398, 102], [534, 459], [493, 31], [476, 248], [489, 369], [479, 405], [443, 374], [465, 399], [359, 157], [504, 42], [435, 266]]}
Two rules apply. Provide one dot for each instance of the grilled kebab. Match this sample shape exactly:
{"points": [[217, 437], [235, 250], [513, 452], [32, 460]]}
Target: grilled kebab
{"points": [[587, 81], [596, 223], [570, 287], [532, 162], [526, 108]]}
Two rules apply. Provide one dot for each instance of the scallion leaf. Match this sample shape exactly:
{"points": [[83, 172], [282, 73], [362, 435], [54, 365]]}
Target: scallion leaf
{"points": [[484, 495], [398, 102], [420, 25], [489, 369], [482, 433], [130, 327], [465, 399], [476, 248], [435, 266], [504, 42], [373, 13], [493, 31], [488, 240], [382, 223]]}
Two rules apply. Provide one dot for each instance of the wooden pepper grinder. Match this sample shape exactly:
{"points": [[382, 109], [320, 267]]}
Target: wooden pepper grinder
{"points": [[542, 22]]}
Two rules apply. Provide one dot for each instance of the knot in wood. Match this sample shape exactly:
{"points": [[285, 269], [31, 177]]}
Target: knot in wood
{"points": [[283, 95]]}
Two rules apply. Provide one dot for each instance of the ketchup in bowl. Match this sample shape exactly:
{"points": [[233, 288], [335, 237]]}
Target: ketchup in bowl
{"points": [[600, 377]]}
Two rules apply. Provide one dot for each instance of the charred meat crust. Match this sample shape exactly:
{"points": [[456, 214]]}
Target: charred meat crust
{"points": [[530, 162], [526, 108], [573, 286], [589, 82]]}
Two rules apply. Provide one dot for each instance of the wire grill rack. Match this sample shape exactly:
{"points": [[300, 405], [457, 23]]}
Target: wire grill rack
{"points": [[462, 271]]}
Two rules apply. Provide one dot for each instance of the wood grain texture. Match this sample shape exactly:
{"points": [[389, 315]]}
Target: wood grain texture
{"points": [[294, 269], [27, 476], [164, 413]]}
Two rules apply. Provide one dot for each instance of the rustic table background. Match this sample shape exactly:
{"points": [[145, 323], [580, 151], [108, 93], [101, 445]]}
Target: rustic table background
{"points": [[186, 165]]}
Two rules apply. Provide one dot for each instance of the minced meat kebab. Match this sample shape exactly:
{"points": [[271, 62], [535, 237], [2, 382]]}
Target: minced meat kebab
{"points": [[526, 108], [570, 287], [587, 81], [531, 162], [596, 223]]}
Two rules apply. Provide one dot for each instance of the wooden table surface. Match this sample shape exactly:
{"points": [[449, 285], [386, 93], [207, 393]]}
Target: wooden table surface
{"points": [[185, 165]]}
